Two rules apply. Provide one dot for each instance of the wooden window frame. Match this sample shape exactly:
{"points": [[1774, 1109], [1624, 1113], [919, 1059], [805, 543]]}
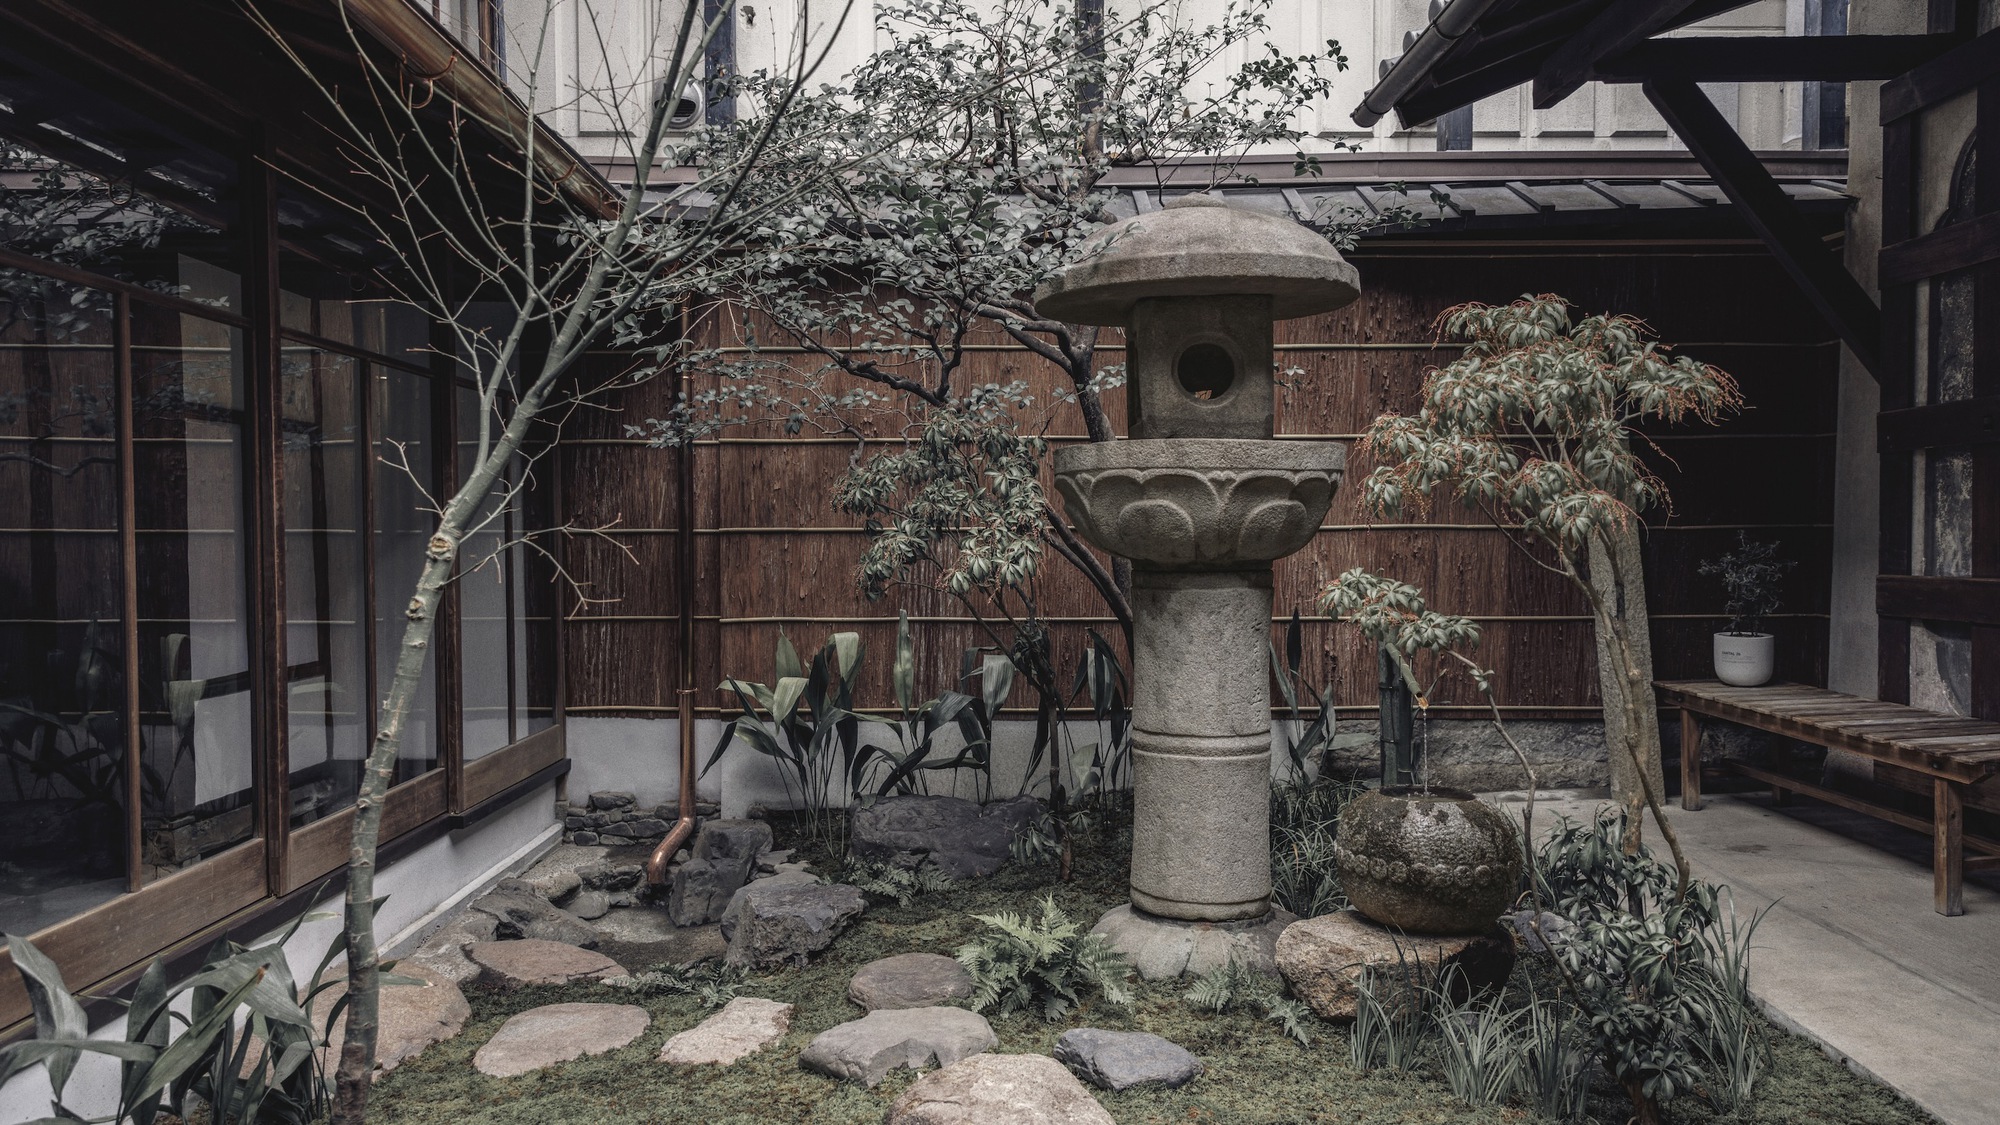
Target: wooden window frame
{"points": [[103, 948]]}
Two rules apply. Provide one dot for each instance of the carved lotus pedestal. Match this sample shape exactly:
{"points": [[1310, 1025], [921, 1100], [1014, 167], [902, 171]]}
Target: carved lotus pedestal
{"points": [[1201, 520]]}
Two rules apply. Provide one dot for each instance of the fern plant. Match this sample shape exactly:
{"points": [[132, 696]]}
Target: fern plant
{"points": [[888, 880], [711, 983], [1046, 963], [1236, 985]]}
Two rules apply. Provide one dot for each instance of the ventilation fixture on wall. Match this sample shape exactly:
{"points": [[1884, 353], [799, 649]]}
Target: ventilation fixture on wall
{"points": [[688, 111]]}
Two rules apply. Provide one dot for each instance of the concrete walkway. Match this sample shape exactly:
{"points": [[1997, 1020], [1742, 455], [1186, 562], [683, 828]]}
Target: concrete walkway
{"points": [[1852, 955]]}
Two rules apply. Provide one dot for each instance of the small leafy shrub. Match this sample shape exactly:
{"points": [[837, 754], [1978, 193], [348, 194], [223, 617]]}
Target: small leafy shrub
{"points": [[246, 1050], [1659, 978], [1236, 985], [1393, 1024], [1556, 1061], [1478, 1043], [887, 880], [711, 983], [1044, 963], [1305, 819], [1750, 576]]}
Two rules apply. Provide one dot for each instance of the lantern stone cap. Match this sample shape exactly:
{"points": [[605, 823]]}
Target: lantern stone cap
{"points": [[1199, 246]]}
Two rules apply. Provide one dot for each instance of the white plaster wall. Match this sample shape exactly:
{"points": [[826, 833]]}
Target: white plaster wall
{"points": [[772, 34], [424, 887]]}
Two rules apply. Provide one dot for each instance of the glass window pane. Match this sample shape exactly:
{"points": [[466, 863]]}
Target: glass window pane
{"points": [[325, 593], [62, 739], [405, 517], [58, 211], [535, 601], [483, 600], [190, 445]]}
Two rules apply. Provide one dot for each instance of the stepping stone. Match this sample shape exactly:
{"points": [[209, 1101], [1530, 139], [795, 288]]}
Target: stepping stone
{"points": [[909, 980], [1324, 958], [998, 1090], [770, 925], [1120, 1060], [556, 1033], [743, 1027], [965, 840], [867, 1049], [521, 964], [411, 1017], [525, 914]]}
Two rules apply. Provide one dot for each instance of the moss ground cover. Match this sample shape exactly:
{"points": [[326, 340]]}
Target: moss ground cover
{"points": [[1255, 1075]]}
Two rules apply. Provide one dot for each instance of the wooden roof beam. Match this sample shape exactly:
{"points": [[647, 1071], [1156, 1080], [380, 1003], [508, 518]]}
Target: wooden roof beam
{"points": [[1769, 211], [1764, 58], [1615, 30]]}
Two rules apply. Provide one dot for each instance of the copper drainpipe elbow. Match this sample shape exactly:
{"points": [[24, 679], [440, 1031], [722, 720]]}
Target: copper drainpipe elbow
{"points": [[656, 865]]}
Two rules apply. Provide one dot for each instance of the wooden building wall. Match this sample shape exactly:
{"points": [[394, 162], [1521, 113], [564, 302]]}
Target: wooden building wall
{"points": [[773, 554]]}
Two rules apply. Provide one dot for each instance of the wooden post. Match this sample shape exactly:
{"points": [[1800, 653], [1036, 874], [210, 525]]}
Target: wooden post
{"points": [[1948, 850], [1690, 760]]}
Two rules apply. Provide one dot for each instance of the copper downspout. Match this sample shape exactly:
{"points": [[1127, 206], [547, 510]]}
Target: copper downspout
{"points": [[656, 866]]}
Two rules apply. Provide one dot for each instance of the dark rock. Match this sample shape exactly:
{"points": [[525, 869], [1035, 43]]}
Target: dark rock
{"points": [[770, 925], [1120, 1060], [646, 826], [867, 1049], [769, 861], [705, 808], [608, 800], [961, 838], [517, 916], [583, 839], [724, 855], [515, 886], [575, 822], [909, 980]]}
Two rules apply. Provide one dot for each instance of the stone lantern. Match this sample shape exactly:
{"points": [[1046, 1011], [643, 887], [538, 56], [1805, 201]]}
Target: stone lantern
{"points": [[1201, 499]]}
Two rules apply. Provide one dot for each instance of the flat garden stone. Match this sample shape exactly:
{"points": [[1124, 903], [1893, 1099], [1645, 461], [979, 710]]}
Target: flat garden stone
{"points": [[867, 1049], [1120, 1060], [743, 1027], [520, 964], [998, 1090], [963, 839], [556, 1033], [525, 914], [1324, 958], [770, 925], [909, 980], [410, 1017]]}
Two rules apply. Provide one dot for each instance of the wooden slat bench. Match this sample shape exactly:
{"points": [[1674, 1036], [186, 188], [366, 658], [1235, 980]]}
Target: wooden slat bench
{"points": [[1953, 752]]}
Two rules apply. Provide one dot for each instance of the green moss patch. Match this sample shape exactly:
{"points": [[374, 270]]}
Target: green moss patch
{"points": [[1255, 1075]]}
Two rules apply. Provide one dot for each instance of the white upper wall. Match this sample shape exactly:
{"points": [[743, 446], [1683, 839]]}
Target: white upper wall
{"points": [[603, 57]]}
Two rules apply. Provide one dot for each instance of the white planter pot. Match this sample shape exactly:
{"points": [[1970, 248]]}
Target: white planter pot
{"points": [[1744, 659]]}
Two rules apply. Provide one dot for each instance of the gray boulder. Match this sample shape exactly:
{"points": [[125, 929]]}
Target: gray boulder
{"points": [[1120, 1060], [909, 980], [770, 923], [609, 800], [867, 1049], [723, 858], [962, 838], [517, 915], [589, 905]]}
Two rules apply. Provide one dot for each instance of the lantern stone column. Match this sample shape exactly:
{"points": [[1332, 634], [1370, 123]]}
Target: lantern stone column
{"points": [[1202, 499]]}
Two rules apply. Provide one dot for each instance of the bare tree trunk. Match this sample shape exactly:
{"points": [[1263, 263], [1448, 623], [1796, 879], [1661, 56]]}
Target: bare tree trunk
{"points": [[354, 1075], [1634, 722]]}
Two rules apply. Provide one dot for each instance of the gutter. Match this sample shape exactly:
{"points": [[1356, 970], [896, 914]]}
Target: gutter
{"points": [[429, 54], [683, 829], [1400, 75]]}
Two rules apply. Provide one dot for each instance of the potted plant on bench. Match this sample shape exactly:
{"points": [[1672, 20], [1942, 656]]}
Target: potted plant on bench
{"points": [[1744, 653]]}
